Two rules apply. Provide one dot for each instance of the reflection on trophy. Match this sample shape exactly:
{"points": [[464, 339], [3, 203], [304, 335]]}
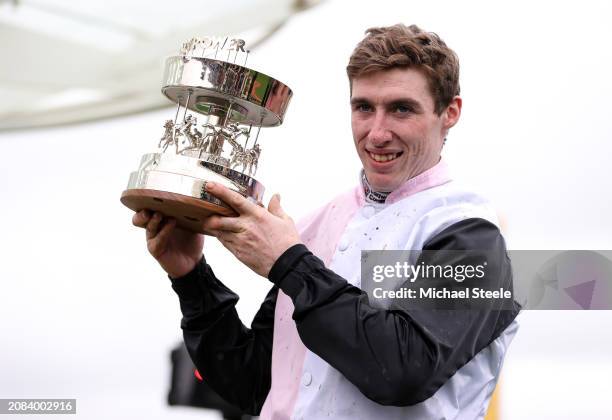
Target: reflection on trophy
{"points": [[217, 142]]}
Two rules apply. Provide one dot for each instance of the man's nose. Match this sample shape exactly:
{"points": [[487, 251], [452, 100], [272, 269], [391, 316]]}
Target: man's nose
{"points": [[379, 131]]}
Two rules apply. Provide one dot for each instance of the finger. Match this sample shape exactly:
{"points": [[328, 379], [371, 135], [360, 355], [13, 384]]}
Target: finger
{"points": [[235, 200], [211, 232], [141, 218], [223, 224], [160, 242], [153, 225], [275, 208], [207, 230], [254, 201]]}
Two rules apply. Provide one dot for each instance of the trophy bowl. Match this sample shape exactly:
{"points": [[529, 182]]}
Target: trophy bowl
{"points": [[224, 105]]}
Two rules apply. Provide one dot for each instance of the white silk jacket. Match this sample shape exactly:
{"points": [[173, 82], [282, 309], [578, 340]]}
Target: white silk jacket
{"points": [[304, 385]]}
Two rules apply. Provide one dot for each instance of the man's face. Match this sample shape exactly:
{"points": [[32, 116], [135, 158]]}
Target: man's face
{"points": [[396, 131]]}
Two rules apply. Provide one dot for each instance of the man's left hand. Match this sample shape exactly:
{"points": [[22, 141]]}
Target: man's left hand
{"points": [[257, 237]]}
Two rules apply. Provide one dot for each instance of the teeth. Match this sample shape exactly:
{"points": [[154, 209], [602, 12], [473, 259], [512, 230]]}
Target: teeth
{"points": [[383, 158]]}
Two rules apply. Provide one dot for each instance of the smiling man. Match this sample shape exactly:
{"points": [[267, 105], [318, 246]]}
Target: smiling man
{"points": [[318, 347], [397, 129]]}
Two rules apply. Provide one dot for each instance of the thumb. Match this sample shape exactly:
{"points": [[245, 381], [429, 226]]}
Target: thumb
{"points": [[275, 208]]}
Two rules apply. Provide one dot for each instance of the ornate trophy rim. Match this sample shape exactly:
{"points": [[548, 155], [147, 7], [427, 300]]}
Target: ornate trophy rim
{"points": [[188, 176], [255, 97]]}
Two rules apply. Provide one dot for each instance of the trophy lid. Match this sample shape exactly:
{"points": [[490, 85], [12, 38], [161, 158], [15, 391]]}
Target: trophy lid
{"points": [[201, 81]]}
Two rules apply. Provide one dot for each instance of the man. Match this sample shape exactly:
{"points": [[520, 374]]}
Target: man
{"points": [[317, 348]]}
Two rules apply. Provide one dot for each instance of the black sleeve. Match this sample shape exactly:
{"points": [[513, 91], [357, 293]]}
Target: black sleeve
{"points": [[394, 357], [234, 360]]}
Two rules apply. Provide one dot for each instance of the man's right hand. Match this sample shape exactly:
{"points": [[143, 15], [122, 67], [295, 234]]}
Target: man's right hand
{"points": [[177, 250]]}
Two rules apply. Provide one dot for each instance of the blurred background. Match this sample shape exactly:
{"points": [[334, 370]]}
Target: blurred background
{"points": [[86, 313]]}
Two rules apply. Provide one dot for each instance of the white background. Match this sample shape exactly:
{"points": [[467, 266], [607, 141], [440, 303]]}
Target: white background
{"points": [[85, 312]]}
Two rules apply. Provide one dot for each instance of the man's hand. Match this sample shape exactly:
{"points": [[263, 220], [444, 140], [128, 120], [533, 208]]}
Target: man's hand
{"points": [[177, 250], [257, 237]]}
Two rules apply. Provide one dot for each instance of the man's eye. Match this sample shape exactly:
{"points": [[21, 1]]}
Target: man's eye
{"points": [[402, 109], [363, 108]]}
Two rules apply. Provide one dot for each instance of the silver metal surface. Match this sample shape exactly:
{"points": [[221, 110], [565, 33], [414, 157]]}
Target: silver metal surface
{"points": [[257, 98], [187, 176], [232, 99]]}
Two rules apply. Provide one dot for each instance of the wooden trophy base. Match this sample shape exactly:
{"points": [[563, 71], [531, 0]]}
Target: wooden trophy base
{"points": [[189, 212]]}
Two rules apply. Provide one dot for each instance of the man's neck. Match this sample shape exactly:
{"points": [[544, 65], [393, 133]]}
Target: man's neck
{"points": [[371, 195]]}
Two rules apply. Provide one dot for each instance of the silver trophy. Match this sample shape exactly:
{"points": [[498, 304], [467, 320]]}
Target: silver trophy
{"points": [[221, 107]]}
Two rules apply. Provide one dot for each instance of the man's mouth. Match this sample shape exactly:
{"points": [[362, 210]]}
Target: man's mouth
{"points": [[387, 157]]}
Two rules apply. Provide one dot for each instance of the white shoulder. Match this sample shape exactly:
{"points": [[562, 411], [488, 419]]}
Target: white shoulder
{"points": [[451, 203]]}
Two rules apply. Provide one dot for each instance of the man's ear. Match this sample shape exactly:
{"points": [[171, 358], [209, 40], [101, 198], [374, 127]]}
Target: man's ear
{"points": [[452, 113]]}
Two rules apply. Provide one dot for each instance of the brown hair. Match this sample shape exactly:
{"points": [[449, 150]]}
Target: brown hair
{"points": [[388, 47]]}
